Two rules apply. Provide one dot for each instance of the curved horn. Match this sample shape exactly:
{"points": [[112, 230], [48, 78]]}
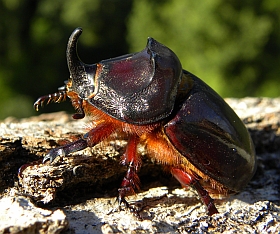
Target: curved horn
{"points": [[73, 61], [82, 74]]}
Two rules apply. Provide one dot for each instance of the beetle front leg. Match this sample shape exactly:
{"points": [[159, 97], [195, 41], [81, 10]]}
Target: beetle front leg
{"points": [[94, 136], [66, 149], [131, 180], [190, 180]]}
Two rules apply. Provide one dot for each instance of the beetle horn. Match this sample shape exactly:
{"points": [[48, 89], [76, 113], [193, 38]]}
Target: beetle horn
{"points": [[73, 60], [82, 74]]}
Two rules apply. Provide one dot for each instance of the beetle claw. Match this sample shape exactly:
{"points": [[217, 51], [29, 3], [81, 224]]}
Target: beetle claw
{"points": [[53, 154], [132, 209], [65, 150]]}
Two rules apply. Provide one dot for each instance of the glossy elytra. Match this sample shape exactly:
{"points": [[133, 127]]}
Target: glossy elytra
{"points": [[181, 121]]}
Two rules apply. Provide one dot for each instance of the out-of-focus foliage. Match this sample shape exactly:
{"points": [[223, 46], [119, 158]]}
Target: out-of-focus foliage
{"points": [[232, 45]]}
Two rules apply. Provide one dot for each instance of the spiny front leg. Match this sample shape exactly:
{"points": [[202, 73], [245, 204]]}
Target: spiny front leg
{"points": [[131, 180], [66, 149], [94, 136], [59, 151]]}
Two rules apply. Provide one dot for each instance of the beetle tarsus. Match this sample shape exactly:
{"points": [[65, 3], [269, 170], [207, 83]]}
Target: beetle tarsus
{"points": [[133, 210], [122, 200], [65, 150], [53, 154]]}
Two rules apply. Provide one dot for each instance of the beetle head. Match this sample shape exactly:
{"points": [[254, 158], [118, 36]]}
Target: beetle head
{"points": [[137, 88]]}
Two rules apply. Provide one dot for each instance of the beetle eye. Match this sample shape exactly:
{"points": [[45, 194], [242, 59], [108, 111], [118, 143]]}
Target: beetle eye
{"points": [[62, 88]]}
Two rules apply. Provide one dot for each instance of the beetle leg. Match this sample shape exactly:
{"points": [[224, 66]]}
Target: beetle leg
{"points": [[187, 179], [66, 149], [131, 180], [207, 200], [91, 138]]}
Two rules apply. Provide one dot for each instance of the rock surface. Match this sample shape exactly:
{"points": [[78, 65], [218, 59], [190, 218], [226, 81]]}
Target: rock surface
{"points": [[19, 215], [77, 194]]}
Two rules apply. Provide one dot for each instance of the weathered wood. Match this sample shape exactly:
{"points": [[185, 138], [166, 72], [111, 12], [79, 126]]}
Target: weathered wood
{"points": [[85, 184]]}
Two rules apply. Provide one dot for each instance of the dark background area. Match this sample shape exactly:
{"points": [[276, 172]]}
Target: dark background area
{"points": [[234, 46]]}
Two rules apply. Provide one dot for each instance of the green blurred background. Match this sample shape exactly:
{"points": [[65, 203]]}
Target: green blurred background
{"points": [[234, 46]]}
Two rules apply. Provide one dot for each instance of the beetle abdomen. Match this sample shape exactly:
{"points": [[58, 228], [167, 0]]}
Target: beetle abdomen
{"points": [[212, 137]]}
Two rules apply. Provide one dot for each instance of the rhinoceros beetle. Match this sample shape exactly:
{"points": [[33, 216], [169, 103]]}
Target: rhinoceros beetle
{"points": [[183, 123]]}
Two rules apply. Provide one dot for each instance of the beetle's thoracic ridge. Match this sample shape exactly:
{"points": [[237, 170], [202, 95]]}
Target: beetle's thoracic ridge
{"points": [[183, 123]]}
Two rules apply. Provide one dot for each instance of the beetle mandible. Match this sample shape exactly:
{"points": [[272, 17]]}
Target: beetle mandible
{"points": [[183, 123]]}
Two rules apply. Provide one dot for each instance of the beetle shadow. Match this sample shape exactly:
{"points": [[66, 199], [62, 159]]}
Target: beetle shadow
{"points": [[87, 222], [82, 222], [108, 188], [168, 200]]}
